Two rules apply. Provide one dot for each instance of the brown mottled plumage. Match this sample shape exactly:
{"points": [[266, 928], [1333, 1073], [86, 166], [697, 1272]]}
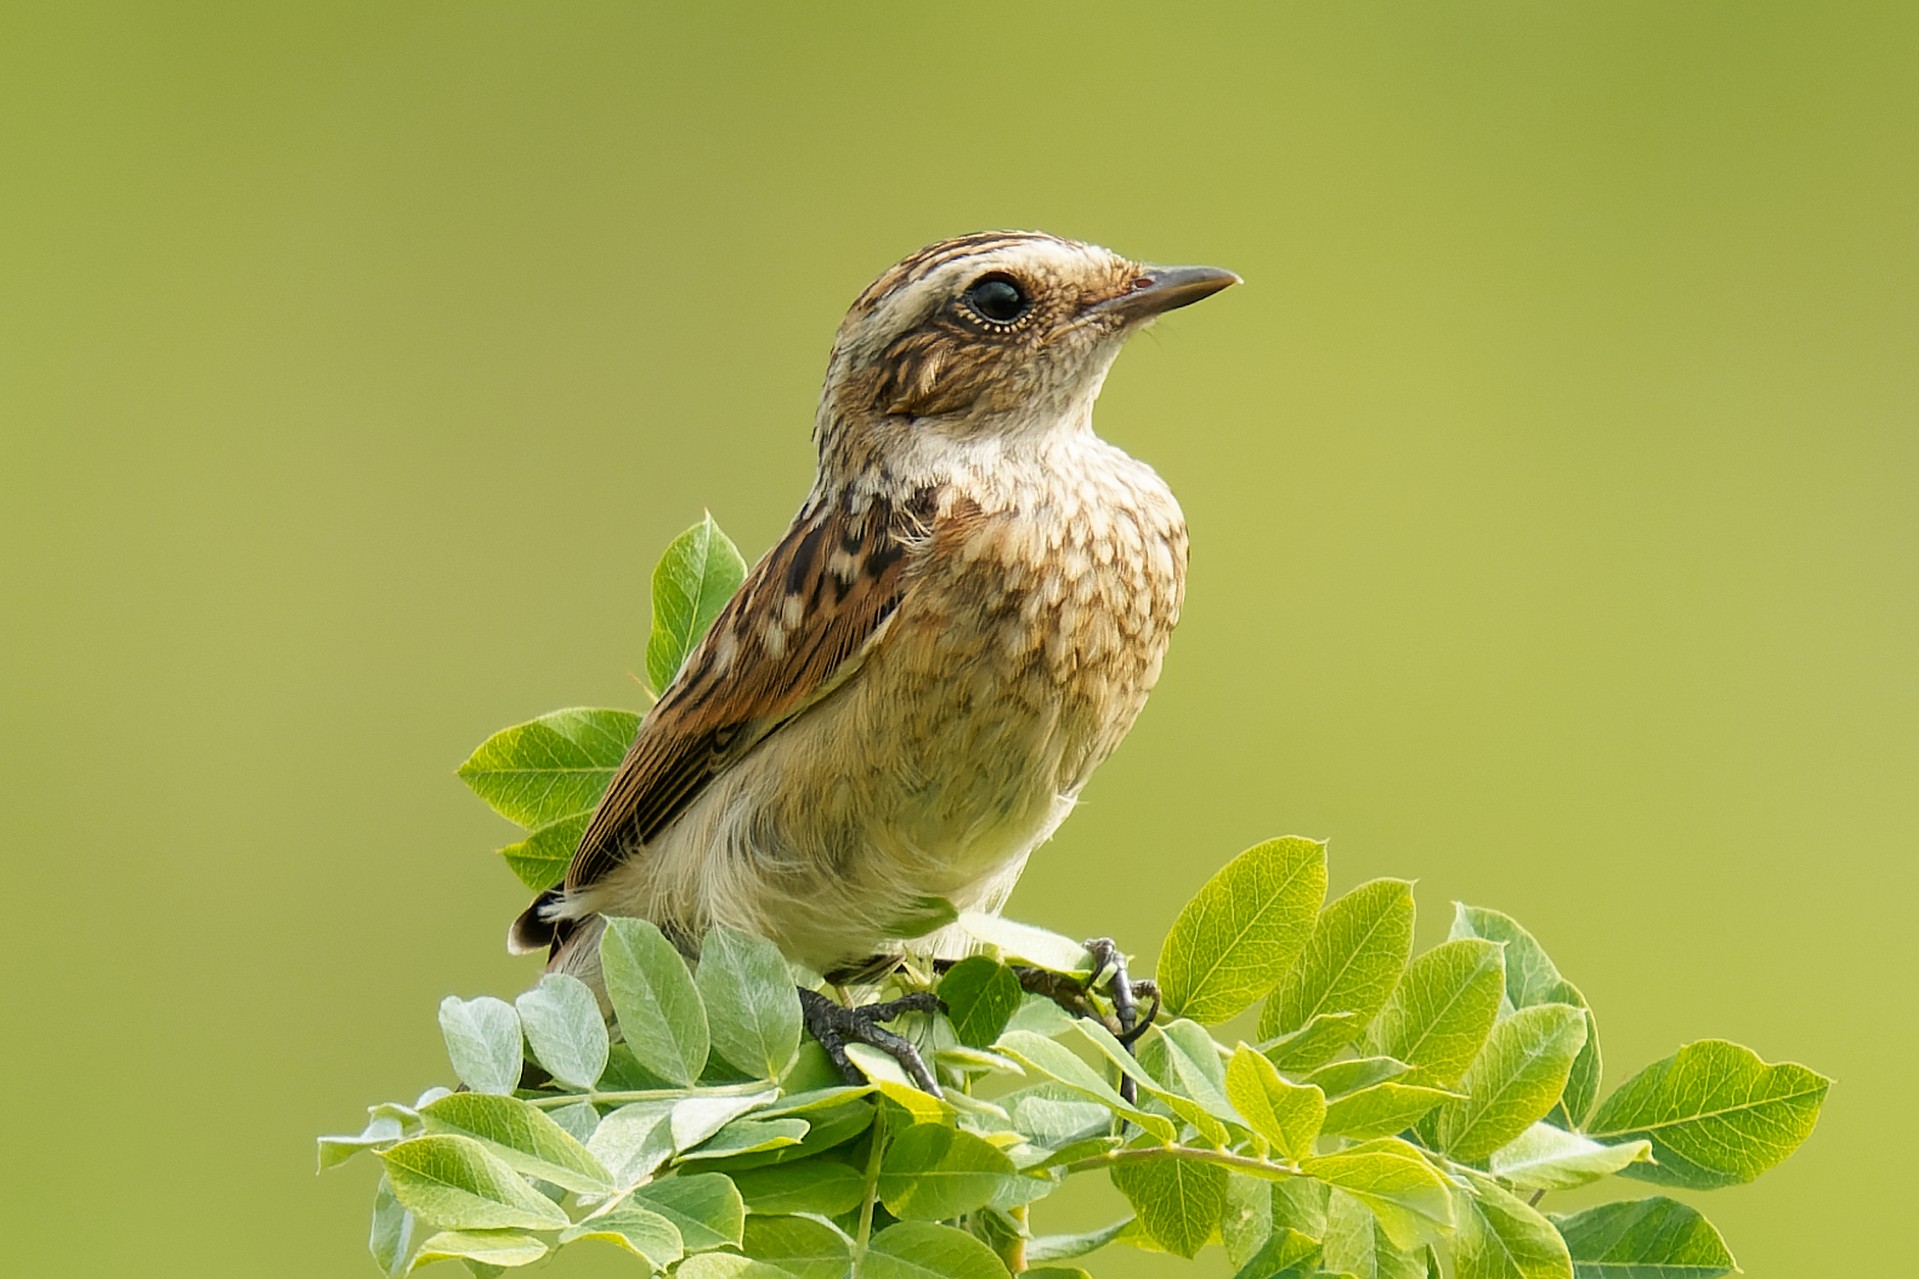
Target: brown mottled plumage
{"points": [[907, 693]]}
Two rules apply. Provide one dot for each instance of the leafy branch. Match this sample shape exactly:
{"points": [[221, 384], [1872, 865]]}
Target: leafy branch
{"points": [[1383, 1109]]}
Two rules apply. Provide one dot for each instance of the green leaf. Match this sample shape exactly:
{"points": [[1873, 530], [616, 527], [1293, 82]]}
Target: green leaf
{"points": [[1410, 1199], [1300, 1203], [890, 1080], [1715, 1113], [1058, 1063], [1548, 1158], [922, 1250], [1179, 1202], [1044, 1248], [697, 1118], [1305, 1048], [391, 1239], [821, 1186], [932, 1172], [706, 1208], [1382, 1110], [552, 767], [1531, 979], [1501, 1237], [633, 1141], [752, 1005], [1358, 950], [653, 996], [1356, 1243], [483, 1042], [809, 1104], [1186, 1057], [1350, 1076], [749, 1136], [645, 1234], [1257, 1210], [563, 1024], [1656, 1238], [457, 1182], [1442, 1010], [1024, 944], [727, 1265], [1287, 1115], [981, 996], [1048, 1115], [524, 1139], [1582, 1081], [696, 575], [541, 859], [489, 1247], [380, 1131], [1172, 1047], [1034, 1161], [1286, 1254], [830, 1128], [801, 1246], [976, 1061], [1514, 1082], [578, 1120], [1248, 1220], [1238, 937]]}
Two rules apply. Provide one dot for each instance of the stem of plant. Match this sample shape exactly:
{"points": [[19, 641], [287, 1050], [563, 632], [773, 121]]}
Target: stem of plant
{"points": [[871, 1197], [1016, 1255]]}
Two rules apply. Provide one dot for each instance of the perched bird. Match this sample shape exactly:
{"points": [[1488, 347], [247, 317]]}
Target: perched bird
{"points": [[906, 694]]}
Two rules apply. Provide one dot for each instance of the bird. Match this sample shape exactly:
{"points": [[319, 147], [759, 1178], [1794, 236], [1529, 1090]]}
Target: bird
{"points": [[905, 696]]}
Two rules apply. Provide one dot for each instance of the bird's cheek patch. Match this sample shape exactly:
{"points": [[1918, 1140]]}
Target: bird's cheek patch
{"points": [[923, 375]]}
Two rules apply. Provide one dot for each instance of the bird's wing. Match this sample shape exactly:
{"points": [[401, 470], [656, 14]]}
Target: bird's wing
{"points": [[797, 627]]}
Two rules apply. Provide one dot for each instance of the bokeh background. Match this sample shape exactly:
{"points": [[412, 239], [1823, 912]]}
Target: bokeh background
{"points": [[1551, 481]]}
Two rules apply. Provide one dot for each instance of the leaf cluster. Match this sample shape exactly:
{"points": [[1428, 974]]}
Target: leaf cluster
{"points": [[1386, 1110], [1373, 1113]]}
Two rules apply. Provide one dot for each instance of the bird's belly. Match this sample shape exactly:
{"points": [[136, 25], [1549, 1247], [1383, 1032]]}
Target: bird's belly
{"points": [[830, 837]]}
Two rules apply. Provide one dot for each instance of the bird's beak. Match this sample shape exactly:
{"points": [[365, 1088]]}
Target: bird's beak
{"points": [[1159, 289]]}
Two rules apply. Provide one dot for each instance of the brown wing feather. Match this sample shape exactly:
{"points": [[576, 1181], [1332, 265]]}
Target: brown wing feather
{"points": [[795, 628]]}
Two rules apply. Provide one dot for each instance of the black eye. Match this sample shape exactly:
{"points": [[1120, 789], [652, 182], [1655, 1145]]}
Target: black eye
{"points": [[998, 298]]}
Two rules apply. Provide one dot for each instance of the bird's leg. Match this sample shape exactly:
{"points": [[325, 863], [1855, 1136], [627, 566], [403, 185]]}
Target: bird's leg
{"points": [[835, 1026], [1073, 994], [1123, 990]]}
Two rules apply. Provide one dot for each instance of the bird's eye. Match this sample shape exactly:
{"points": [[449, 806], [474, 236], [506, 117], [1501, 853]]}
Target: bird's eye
{"points": [[997, 298]]}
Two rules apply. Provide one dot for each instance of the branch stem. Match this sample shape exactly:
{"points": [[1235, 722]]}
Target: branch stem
{"points": [[871, 1197]]}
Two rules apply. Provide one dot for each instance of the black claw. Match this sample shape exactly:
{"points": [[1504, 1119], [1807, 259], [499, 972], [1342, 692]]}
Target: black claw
{"points": [[835, 1025], [1142, 990], [1071, 993], [1107, 959]]}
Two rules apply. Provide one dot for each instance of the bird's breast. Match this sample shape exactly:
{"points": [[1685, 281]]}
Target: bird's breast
{"points": [[1034, 626]]}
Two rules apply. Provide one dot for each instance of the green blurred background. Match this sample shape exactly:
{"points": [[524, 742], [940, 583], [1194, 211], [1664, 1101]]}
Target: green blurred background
{"points": [[1551, 481]]}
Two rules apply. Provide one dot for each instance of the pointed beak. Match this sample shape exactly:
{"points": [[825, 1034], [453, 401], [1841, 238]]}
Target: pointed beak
{"points": [[1159, 289]]}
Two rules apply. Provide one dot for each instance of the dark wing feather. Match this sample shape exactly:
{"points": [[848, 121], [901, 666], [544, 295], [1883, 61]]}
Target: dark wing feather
{"points": [[842, 575]]}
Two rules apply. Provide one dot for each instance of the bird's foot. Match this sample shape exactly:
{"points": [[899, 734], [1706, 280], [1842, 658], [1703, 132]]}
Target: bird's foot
{"points": [[1074, 994], [835, 1026]]}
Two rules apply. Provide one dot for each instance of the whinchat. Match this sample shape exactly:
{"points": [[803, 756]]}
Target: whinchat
{"points": [[906, 695]]}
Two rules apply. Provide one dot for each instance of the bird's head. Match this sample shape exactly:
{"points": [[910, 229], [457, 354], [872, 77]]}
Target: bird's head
{"points": [[1000, 334]]}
